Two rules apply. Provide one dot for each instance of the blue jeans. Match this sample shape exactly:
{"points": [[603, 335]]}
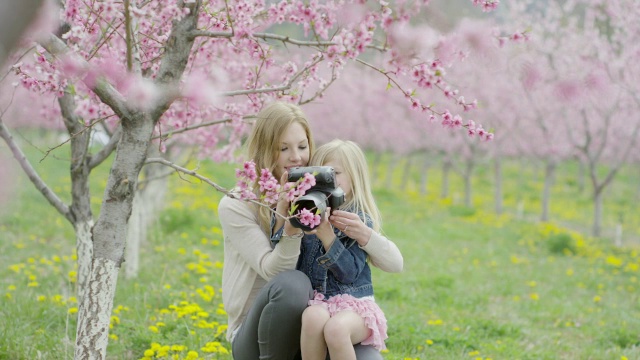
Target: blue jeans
{"points": [[273, 324]]}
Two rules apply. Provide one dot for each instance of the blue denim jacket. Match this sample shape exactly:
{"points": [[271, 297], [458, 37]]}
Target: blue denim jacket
{"points": [[343, 269]]}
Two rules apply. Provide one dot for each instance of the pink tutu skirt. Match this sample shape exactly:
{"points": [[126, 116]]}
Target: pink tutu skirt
{"points": [[367, 308]]}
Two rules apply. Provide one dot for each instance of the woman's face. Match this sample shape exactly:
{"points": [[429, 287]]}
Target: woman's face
{"points": [[343, 180], [294, 149]]}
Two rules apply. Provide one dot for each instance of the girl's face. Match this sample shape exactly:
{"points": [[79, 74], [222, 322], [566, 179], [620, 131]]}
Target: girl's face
{"points": [[294, 150], [342, 178]]}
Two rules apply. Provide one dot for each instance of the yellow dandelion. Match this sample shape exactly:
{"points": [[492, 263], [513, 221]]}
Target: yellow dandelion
{"points": [[429, 342], [597, 299], [569, 272], [154, 329], [149, 353], [73, 310], [42, 298], [33, 284], [534, 296], [11, 287]]}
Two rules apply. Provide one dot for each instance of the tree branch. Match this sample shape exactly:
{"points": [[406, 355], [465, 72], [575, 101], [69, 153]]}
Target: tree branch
{"points": [[208, 181], [282, 38], [107, 93], [192, 127], [51, 196]]}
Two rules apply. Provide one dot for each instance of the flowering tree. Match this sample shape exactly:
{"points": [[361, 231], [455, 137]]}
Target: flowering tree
{"points": [[579, 86], [153, 71]]}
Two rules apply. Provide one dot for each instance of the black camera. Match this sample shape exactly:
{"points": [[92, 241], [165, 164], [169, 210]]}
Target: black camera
{"points": [[323, 194]]}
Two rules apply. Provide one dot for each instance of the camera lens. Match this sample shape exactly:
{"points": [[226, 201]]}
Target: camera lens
{"points": [[314, 201]]}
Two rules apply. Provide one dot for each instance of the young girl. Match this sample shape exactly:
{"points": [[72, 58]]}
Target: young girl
{"points": [[343, 311]]}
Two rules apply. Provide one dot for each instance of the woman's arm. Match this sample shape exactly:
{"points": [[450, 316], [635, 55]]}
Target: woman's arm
{"points": [[242, 232], [383, 253]]}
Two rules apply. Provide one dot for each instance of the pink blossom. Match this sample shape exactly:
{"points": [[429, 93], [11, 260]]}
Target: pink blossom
{"points": [[308, 218]]}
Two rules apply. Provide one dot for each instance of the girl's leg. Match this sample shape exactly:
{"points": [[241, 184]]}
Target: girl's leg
{"points": [[312, 341], [342, 331], [272, 327]]}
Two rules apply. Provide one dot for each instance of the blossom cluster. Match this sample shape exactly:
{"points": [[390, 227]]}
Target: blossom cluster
{"points": [[270, 191]]}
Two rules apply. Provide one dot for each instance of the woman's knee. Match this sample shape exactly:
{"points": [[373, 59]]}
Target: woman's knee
{"points": [[292, 282]]}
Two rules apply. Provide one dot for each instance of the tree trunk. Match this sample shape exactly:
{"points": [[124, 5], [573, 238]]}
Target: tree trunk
{"points": [[597, 211], [375, 166], [136, 235], [498, 184], [618, 236], [109, 235], [546, 191], [582, 174], [84, 251], [146, 205], [110, 231], [390, 169], [406, 174], [446, 170], [424, 175], [92, 335], [468, 186]]}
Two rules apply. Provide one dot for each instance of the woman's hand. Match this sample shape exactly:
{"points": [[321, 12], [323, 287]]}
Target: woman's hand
{"points": [[282, 207], [351, 225]]}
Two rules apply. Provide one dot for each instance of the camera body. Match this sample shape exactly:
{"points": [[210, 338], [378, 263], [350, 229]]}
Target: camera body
{"points": [[323, 194]]}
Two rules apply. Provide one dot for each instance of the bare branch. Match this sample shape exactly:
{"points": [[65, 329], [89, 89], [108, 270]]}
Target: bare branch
{"points": [[284, 87], [192, 127], [208, 181], [282, 38], [37, 181]]}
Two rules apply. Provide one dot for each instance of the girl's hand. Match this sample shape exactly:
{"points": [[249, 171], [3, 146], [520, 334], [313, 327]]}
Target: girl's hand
{"points": [[351, 225], [324, 231]]}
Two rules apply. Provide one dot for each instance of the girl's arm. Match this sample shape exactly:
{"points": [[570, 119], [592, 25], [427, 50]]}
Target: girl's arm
{"points": [[345, 262], [383, 253]]}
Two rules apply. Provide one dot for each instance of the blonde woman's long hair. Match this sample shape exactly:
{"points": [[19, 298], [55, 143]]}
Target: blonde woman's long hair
{"points": [[264, 142], [354, 163]]}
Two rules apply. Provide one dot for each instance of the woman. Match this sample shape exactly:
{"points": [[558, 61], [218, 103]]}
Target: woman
{"points": [[263, 295]]}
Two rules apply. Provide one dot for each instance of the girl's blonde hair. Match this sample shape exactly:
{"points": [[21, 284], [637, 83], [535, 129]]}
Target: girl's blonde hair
{"points": [[264, 143], [355, 165]]}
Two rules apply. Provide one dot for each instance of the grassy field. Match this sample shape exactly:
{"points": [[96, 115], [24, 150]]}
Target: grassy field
{"points": [[475, 286]]}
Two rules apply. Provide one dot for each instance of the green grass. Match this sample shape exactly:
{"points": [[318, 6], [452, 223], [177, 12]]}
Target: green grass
{"points": [[475, 286]]}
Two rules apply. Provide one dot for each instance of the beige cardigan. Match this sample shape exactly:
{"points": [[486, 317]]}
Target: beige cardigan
{"points": [[249, 260]]}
